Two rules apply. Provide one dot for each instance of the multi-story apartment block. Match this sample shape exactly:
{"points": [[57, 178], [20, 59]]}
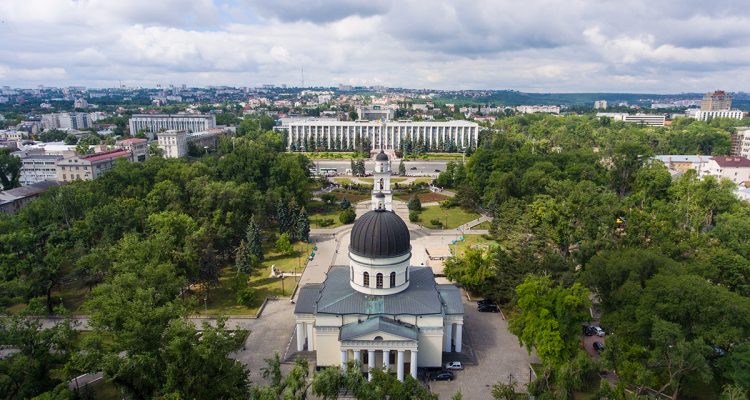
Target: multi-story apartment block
{"points": [[154, 123], [736, 169], [538, 109], [645, 119], [709, 115], [73, 120], [716, 101], [346, 135], [90, 166], [600, 105]]}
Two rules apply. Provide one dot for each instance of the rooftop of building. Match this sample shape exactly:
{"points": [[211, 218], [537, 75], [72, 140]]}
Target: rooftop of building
{"points": [[105, 155], [336, 296], [732, 161], [34, 189], [132, 141]]}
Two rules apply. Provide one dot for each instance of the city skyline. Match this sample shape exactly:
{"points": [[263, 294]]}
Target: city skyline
{"points": [[545, 46]]}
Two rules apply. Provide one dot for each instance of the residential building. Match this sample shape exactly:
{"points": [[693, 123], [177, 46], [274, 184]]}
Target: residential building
{"points": [[154, 123], [80, 103], [679, 164], [388, 135], [538, 109], [379, 310], [38, 167], [741, 142], [72, 120], [375, 113], [15, 199], [736, 169], [12, 135], [137, 147], [600, 105], [173, 143], [716, 101], [90, 166]]}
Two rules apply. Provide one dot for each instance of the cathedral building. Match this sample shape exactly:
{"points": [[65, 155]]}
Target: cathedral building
{"points": [[379, 310]]}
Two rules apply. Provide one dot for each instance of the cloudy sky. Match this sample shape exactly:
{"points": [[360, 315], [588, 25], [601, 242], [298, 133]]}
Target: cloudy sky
{"points": [[659, 46]]}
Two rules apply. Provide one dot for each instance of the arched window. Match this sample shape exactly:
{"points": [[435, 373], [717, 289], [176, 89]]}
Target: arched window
{"points": [[393, 279], [379, 280], [366, 279]]}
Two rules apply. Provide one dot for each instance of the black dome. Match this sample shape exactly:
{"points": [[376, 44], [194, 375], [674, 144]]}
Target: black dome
{"points": [[381, 156], [380, 234]]}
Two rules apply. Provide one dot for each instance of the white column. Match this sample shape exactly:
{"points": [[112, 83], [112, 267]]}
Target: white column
{"points": [[343, 360], [400, 365], [300, 336], [370, 363], [448, 333], [387, 360], [414, 364], [459, 337], [309, 336], [357, 355]]}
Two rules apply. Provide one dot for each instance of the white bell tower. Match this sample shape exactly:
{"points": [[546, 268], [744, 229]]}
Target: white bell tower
{"points": [[382, 196]]}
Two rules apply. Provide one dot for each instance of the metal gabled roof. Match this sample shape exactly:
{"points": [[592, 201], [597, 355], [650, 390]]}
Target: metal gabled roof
{"points": [[378, 324]]}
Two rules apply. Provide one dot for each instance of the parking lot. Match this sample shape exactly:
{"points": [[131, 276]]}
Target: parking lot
{"points": [[498, 354]]}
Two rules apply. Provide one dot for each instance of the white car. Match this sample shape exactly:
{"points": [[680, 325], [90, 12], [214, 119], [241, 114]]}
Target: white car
{"points": [[599, 331], [454, 365]]}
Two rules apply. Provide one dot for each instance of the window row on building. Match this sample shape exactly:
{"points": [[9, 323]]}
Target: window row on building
{"points": [[347, 135], [153, 123]]}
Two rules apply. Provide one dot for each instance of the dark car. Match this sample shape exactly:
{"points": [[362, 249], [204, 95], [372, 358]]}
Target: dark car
{"points": [[598, 346], [442, 376], [589, 330], [437, 170], [413, 168], [484, 302], [488, 308]]}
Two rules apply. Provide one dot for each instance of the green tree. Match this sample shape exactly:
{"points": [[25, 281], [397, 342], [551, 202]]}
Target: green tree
{"points": [[283, 245], [10, 169], [401, 168], [549, 318], [303, 226], [253, 240], [282, 216]]}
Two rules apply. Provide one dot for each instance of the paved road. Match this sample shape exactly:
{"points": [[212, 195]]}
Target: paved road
{"points": [[498, 354]]}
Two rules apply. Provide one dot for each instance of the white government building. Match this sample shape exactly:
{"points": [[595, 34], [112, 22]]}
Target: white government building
{"points": [[379, 310], [381, 134], [153, 123]]}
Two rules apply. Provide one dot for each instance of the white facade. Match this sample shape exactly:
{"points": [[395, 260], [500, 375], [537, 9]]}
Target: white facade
{"points": [[600, 105], [153, 123], [736, 169], [645, 119], [38, 168], [538, 109], [741, 142], [173, 143], [708, 115], [73, 120], [382, 196], [345, 135]]}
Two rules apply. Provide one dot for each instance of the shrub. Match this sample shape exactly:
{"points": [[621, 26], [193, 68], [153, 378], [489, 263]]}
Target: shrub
{"points": [[414, 204], [245, 296], [328, 198], [413, 216], [436, 222], [347, 216], [325, 222], [345, 204]]}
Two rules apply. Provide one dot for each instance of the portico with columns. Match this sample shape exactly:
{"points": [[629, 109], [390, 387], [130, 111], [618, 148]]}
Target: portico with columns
{"points": [[379, 312]]}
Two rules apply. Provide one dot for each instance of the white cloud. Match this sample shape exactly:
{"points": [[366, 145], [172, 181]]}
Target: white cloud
{"points": [[548, 45]]}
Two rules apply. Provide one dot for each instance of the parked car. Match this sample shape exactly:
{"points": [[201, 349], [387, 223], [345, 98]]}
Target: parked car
{"points": [[437, 170], [598, 331], [589, 330], [454, 365], [413, 168], [442, 376], [488, 308], [485, 301], [598, 346]]}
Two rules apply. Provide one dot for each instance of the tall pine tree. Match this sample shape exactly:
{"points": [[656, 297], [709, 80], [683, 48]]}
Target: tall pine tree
{"points": [[293, 218], [303, 226], [243, 261], [282, 216], [253, 240]]}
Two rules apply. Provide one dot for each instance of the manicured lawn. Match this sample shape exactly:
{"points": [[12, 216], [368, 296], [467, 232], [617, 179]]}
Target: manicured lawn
{"points": [[450, 217], [319, 211], [343, 181], [73, 295], [472, 242], [436, 156], [329, 155], [223, 298], [483, 225], [370, 179]]}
